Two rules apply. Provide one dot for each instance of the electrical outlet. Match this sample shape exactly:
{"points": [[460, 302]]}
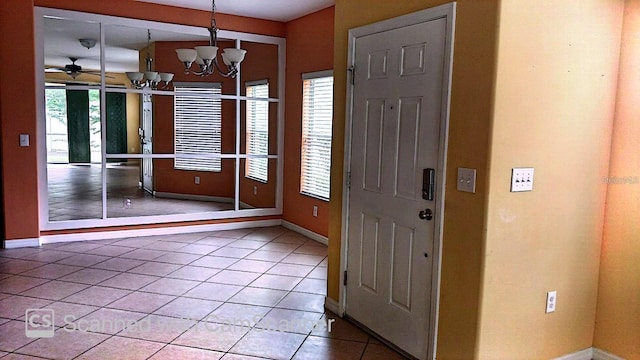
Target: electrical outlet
{"points": [[197, 180], [127, 203], [24, 140], [255, 190], [551, 301], [466, 180], [315, 211], [521, 179]]}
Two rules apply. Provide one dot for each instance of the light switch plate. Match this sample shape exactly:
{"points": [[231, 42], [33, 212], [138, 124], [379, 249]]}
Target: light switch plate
{"points": [[552, 299], [24, 140], [521, 179], [466, 180]]}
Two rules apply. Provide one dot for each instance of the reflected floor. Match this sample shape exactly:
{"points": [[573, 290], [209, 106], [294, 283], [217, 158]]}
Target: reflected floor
{"points": [[75, 192]]}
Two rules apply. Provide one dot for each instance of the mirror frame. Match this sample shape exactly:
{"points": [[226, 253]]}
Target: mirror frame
{"points": [[104, 21]]}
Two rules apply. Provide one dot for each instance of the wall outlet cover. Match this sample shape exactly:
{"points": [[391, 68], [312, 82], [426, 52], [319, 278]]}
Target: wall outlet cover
{"points": [[466, 180], [521, 179]]}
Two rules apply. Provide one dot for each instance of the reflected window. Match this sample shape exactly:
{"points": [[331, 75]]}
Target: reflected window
{"points": [[317, 114], [257, 138], [198, 126]]}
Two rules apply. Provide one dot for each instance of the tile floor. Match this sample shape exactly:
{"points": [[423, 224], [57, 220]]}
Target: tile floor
{"points": [[232, 295]]}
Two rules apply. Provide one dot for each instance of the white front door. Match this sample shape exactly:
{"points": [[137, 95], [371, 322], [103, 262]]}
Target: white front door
{"points": [[397, 112], [146, 139]]}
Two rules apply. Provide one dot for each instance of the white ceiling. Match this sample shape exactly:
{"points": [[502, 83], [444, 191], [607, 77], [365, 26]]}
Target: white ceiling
{"points": [[123, 42], [278, 10]]}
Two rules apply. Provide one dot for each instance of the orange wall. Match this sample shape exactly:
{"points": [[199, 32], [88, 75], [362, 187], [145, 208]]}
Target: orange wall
{"points": [[309, 49], [17, 116], [617, 328]]}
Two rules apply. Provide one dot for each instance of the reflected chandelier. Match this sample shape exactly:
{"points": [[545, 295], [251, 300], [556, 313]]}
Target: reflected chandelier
{"points": [[205, 56], [149, 79]]}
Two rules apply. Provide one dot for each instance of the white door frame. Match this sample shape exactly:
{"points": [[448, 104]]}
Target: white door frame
{"points": [[447, 12]]}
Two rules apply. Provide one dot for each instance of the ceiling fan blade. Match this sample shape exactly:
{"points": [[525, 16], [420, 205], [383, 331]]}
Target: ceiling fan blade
{"points": [[97, 73]]}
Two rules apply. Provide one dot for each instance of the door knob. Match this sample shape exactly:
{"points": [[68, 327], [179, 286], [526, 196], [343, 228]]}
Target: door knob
{"points": [[425, 214]]}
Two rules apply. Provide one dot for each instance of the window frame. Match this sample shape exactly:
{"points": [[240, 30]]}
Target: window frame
{"points": [[248, 168], [305, 190]]}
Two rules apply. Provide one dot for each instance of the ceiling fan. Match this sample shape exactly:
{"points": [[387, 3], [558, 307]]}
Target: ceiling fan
{"points": [[73, 69]]}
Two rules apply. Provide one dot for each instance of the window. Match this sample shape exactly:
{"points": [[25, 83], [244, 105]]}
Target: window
{"points": [[257, 131], [317, 115], [198, 125]]}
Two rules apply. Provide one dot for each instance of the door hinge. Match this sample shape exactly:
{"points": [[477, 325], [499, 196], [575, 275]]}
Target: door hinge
{"points": [[349, 180], [352, 70], [344, 278]]}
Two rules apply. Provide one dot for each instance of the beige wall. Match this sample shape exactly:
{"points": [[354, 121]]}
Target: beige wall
{"points": [[554, 108], [618, 312], [472, 89]]}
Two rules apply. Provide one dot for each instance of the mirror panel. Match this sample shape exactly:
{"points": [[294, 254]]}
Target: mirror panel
{"points": [[260, 64], [258, 181], [72, 119], [141, 128], [184, 193]]}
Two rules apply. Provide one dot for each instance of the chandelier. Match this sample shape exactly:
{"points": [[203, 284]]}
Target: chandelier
{"points": [[205, 56], [149, 79]]}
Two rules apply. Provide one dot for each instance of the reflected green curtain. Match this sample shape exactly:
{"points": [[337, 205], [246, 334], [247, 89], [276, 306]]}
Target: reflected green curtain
{"points": [[116, 124], [78, 126]]}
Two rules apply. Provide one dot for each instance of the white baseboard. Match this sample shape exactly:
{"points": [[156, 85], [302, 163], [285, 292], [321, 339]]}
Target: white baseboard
{"points": [[115, 234], [590, 354], [308, 233], [168, 195], [333, 306], [20, 243], [603, 355], [585, 354]]}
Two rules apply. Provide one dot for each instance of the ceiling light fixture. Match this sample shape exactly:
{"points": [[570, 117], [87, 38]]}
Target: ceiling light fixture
{"points": [[205, 56], [149, 79]]}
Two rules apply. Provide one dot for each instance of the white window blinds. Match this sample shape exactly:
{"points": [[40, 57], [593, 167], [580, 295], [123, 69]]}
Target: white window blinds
{"points": [[257, 131], [317, 115], [198, 126]]}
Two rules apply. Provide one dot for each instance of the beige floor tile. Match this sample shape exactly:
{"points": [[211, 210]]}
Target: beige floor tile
{"points": [[311, 249], [97, 296], [110, 250], [142, 254], [239, 314], [83, 260], [141, 302], [295, 321], [15, 306], [52, 271], [313, 286], [303, 259], [267, 255], [212, 291], [302, 301], [256, 266], [247, 244], [232, 252], [117, 348], [48, 255], [289, 238], [319, 348], [155, 268], [129, 281], [108, 321], [170, 286], [178, 258], [229, 356], [165, 245], [196, 273], [15, 356], [216, 241], [68, 313], [13, 336], [89, 276], [54, 290], [233, 277], [174, 352], [261, 343], [277, 282], [17, 284], [63, 345], [212, 336], [188, 308], [318, 273], [198, 249], [258, 296], [119, 264], [279, 246], [232, 234], [290, 270], [157, 328], [217, 262]]}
